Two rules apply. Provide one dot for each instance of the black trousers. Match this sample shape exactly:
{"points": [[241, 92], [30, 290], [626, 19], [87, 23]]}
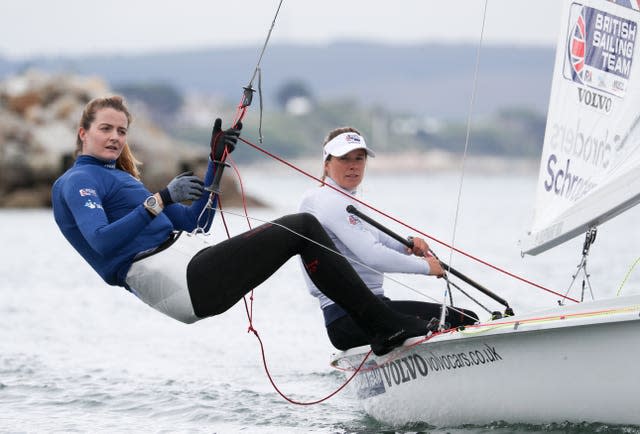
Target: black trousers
{"points": [[219, 276], [344, 333]]}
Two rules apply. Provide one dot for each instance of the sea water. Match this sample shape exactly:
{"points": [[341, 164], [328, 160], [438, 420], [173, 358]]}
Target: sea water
{"points": [[77, 355]]}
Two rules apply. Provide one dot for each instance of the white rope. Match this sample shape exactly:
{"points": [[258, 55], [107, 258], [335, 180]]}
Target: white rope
{"points": [[466, 147]]}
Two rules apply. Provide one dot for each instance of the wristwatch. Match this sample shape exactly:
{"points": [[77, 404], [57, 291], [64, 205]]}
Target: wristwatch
{"points": [[153, 205]]}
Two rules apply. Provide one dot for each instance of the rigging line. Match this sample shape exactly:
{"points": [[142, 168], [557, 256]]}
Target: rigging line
{"points": [[464, 154], [474, 88], [336, 252], [261, 105], [240, 113], [449, 282], [400, 222], [247, 94], [241, 110], [266, 41], [624, 281], [242, 192]]}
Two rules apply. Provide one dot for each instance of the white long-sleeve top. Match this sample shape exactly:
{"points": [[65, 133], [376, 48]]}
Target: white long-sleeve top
{"points": [[357, 240]]}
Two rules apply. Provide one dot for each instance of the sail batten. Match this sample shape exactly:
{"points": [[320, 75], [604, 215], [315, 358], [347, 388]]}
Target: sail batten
{"points": [[590, 163]]}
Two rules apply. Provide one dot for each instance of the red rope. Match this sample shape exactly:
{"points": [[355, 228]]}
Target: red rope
{"points": [[240, 112], [292, 401], [249, 309], [501, 270]]}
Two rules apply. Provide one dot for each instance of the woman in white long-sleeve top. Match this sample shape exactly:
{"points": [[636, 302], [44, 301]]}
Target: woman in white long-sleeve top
{"points": [[370, 251]]}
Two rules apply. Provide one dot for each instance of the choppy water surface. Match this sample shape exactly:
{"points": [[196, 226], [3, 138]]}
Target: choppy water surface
{"points": [[79, 356]]}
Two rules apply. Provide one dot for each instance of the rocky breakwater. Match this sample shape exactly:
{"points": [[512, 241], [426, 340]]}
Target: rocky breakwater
{"points": [[39, 115]]}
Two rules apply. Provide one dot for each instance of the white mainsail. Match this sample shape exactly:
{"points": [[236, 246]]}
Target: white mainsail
{"points": [[590, 165]]}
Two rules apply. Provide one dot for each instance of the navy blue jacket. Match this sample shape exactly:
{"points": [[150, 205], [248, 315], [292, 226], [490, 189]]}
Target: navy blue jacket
{"points": [[100, 211]]}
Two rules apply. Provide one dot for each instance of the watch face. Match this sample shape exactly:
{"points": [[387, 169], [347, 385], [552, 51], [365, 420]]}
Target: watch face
{"points": [[151, 201]]}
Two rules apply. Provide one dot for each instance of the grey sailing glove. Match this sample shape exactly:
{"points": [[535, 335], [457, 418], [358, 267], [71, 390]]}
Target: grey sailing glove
{"points": [[185, 186]]}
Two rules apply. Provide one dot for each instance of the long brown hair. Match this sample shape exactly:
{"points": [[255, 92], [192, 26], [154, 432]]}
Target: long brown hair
{"points": [[333, 134], [126, 161]]}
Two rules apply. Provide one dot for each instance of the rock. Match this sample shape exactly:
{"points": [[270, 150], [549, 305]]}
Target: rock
{"points": [[39, 114]]}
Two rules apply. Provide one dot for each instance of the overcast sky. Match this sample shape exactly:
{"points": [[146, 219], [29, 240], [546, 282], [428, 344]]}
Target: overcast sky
{"points": [[69, 27]]}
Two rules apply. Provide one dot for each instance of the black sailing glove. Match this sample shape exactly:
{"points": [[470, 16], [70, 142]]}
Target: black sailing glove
{"points": [[185, 186], [223, 139]]}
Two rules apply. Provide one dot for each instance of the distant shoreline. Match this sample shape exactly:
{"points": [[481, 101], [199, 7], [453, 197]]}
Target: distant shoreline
{"points": [[433, 161]]}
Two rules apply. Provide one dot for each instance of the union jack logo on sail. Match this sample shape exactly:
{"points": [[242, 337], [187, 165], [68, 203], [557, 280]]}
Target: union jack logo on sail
{"points": [[599, 49], [577, 48]]}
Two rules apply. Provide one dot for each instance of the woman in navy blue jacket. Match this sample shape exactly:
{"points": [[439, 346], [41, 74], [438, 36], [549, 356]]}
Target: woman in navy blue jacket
{"points": [[128, 235]]}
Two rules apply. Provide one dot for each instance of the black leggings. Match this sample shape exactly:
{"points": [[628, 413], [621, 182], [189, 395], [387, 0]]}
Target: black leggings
{"points": [[219, 276], [344, 333]]}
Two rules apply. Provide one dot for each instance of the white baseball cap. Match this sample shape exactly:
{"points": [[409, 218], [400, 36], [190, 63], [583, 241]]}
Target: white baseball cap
{"points": [[343, 144]]}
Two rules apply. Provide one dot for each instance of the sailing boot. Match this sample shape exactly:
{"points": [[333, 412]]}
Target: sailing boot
{"points": [[335, 278], [393, 331]]}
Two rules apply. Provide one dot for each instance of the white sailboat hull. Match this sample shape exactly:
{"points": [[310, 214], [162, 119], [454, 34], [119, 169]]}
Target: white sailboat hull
{"points": [[576, 363]]}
